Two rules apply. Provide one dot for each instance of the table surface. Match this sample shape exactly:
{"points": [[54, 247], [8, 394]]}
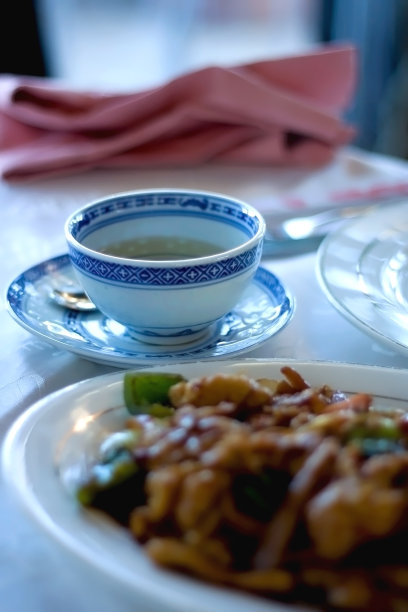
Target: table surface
{"points": [[36, 573]]}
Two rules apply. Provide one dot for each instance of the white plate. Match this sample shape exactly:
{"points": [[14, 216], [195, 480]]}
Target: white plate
{"points": [[33, 448], [264, 309], [363, 270]]}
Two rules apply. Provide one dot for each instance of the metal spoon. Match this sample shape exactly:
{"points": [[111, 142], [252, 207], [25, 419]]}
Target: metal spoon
{"points": [[295, 234], [72, 297]]}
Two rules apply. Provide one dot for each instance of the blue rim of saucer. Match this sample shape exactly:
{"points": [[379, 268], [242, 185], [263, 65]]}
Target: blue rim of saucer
{"points": [[265, 308]]}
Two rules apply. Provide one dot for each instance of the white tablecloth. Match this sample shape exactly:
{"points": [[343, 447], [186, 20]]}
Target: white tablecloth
{"points": [[36, 573]]}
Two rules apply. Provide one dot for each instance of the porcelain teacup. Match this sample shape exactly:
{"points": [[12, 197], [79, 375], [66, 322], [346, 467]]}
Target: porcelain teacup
{"points": [[165, 263]]}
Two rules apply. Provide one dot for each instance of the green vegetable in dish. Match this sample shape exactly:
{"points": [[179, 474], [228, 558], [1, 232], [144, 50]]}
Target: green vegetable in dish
{"points": [[376, 435], [148, 392], [260, 495], [105, 476], [378, 427], [115, 484]]}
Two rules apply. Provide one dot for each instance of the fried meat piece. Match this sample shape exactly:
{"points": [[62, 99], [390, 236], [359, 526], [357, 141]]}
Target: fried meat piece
{"points": [[211, 390]]}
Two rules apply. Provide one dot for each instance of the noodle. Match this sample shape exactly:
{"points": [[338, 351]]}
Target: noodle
{"points": [[277, 488]]}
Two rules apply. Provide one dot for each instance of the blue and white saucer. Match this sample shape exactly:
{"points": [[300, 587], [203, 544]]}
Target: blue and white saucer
{"points": [[264, 309]]}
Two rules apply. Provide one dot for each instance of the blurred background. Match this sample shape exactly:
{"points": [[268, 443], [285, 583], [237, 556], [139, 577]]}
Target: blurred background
{"points": [[128, 45]]}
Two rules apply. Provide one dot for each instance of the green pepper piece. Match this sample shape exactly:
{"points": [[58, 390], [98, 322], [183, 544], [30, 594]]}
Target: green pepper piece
{"points": [[159, 411], [259, 495], [374, 437], [106, 475], [385, 428], [143, 389], [116, 487]]}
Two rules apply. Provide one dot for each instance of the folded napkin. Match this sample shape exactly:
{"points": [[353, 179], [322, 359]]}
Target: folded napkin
{"points": [[284, 111]]}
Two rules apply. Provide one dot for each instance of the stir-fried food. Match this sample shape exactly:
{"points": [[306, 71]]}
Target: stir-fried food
{"points": [[276, 487]]}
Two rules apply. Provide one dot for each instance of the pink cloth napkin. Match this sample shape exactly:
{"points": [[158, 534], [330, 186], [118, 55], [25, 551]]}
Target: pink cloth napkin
{"points": [[285, 111]]}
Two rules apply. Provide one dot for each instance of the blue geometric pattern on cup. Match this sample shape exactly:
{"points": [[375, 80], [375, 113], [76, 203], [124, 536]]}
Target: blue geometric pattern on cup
{"points": [[164, 277], [125, 207]]}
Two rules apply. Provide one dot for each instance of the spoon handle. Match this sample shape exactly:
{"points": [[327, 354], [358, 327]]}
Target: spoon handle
{"points": [[317, 224], [286, 247]]}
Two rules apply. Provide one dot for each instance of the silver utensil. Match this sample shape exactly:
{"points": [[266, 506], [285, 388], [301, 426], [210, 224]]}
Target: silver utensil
{"points": [[72, 297], [294, 234]]}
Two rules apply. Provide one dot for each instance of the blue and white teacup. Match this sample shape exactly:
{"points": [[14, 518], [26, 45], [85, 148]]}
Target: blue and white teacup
{"points": [[165, 263]]}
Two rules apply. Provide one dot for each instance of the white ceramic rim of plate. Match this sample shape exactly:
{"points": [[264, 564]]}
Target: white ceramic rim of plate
{"points": [[348, 297], [47, 502]]}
